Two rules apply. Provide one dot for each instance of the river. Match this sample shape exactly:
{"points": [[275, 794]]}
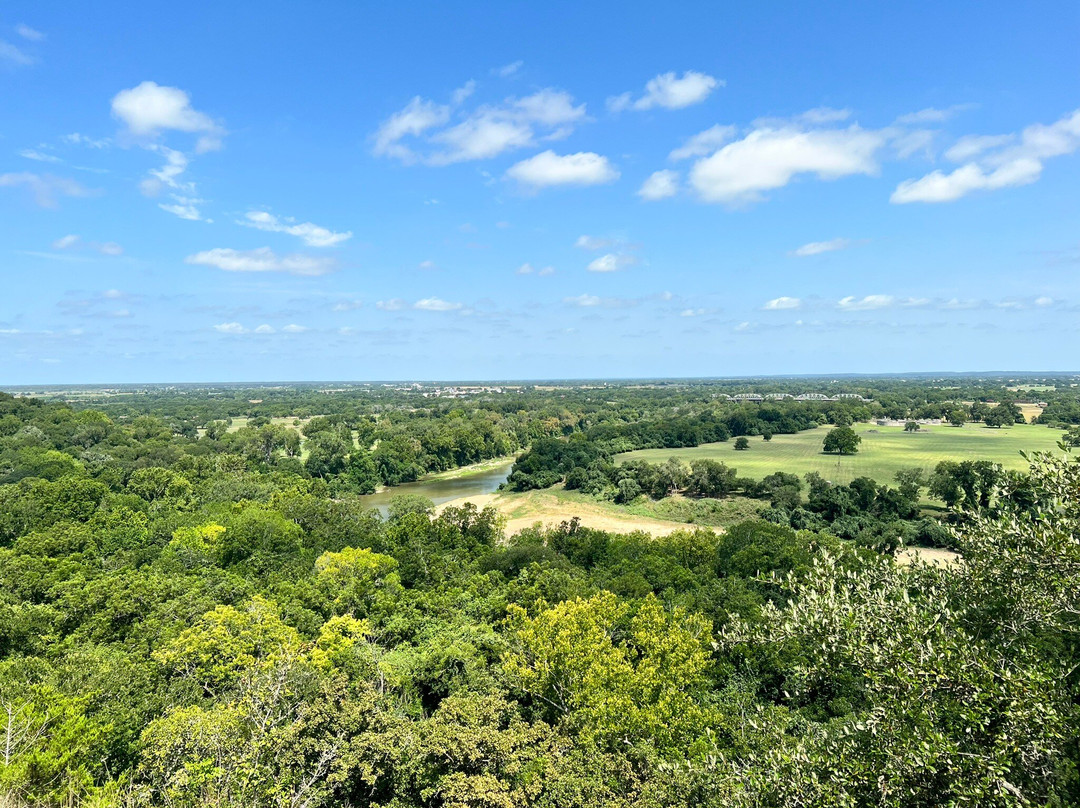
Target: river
{"points": [[443, 490]]}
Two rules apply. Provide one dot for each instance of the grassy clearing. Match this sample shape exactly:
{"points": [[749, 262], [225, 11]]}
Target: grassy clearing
{"points": [[883, 451], [290, 421]]}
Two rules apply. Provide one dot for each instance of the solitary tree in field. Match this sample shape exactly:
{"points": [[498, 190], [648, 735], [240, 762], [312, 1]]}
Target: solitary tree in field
{"points": [[911, 426], [842, 440], [958, 417], [999, 417], [741, 444]]}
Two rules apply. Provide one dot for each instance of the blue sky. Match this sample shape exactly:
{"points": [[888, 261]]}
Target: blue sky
{"points": [[273, 191]]}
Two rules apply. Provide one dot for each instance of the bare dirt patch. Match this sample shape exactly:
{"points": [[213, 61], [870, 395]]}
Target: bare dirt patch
{"points": [[929, 555], [525, 510]]}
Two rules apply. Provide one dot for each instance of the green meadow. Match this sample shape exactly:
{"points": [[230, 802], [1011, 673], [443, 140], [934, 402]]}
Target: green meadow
{"points": [[883, 451]]}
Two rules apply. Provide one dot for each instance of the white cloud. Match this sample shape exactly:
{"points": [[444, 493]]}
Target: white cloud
{"points": [[293, 328], [704, 142], [44, 187], [818, 247], [692, 312], [150, 108], [611, 262], [549, 107], [311, 234], [549, 169], [41, 157], [230, 328], [26, 32], [997, 161], [481, 137], [176, 163], [9, 53], [957, 304], [348, 305], [583, 300], [417, 117], [869, 302], [1044, 301], [262, 259], [77, 139], [461, 94], [184, 211], [823, 115], [970, 146], [659, 185], [264, 329], [435, 304], [593, 242], [486, 131], [394, 304], [769, 158], [71, 241], [525, 269], [782, 303], [917, 140], [427, 265], [932, 114], [938, 186], [506, 71], [669, 91], [549, 270]]}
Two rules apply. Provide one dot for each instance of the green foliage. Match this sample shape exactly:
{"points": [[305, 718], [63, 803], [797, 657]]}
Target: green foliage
{"points": [[189, 621], [841, 440], [612, 674]]}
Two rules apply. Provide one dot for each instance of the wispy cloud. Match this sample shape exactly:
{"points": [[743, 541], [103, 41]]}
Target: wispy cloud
{"points": [[441, 134], [26, 32], [506, 71], [45, 188], [262, 259], [436, 304], [13, 55], [311, 234], [41, 157], [819, 247], [996, 161]]}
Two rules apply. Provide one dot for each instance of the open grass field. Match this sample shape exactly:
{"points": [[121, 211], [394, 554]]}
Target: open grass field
{"points": [[883, 451]]}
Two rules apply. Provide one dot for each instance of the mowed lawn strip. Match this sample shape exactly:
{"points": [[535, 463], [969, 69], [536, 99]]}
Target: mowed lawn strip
{"points": [[883, 451]]}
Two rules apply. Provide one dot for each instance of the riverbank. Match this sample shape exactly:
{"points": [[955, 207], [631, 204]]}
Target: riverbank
{"points": [[550, 507]]}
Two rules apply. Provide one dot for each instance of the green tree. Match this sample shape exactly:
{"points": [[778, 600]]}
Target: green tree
{"points": [[614, 674], [742, 443], [842, 440], [957, 417]]}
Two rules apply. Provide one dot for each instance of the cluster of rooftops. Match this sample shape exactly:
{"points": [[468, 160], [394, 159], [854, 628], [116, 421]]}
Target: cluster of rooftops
{"points": [[802, 397]]}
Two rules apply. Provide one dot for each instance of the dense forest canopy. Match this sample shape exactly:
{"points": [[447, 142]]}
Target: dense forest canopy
{"points": [[200, 610]]}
